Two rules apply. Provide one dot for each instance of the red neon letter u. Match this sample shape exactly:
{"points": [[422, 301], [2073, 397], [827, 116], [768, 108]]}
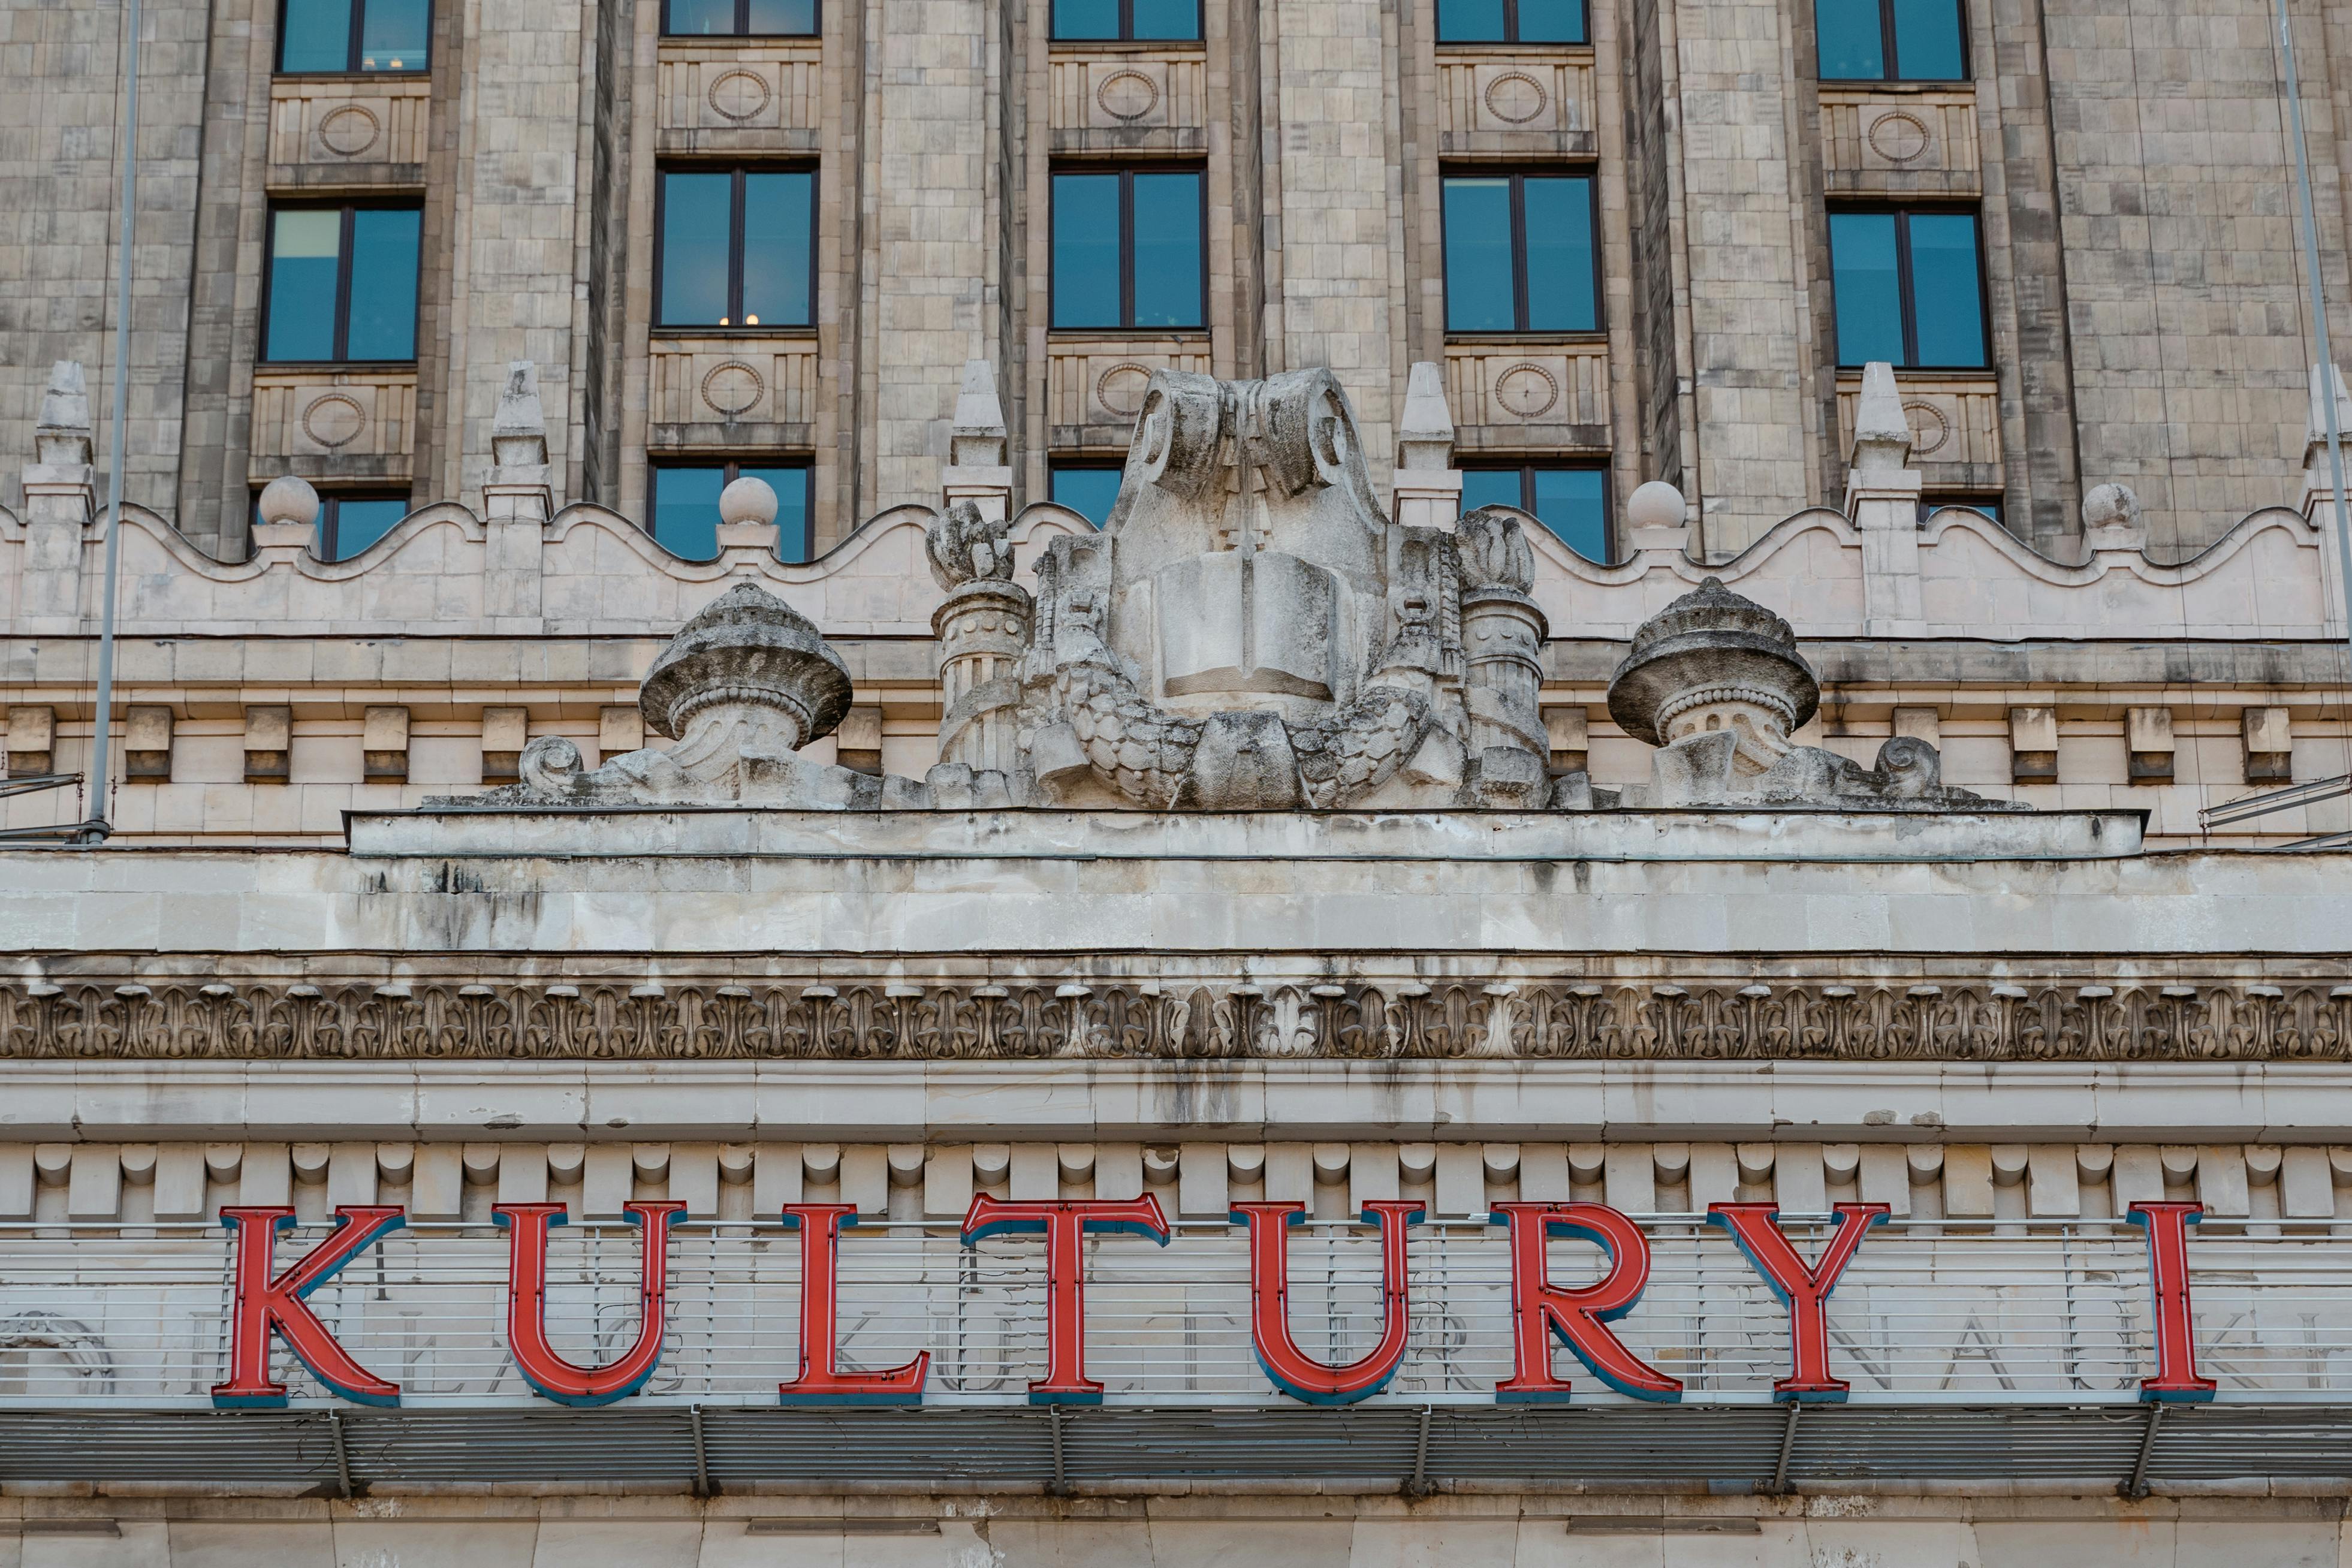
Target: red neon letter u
{"points": [[1292, 1371], [534, 1357]]}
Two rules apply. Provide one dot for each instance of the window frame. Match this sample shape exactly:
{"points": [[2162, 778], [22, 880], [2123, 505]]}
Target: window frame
{"points": [[743, 24], [263, 360], [1526, 469], [1105, 464], [1906, 302], [357, 40], [1890, 54], [1511, 39], [1126, 173], [331, 519], [1126, 34], [732, 467], [1519, 175], [734, 245]]}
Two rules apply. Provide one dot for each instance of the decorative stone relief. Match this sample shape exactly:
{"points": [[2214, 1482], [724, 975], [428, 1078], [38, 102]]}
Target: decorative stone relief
{"points": [[888, 1018]]}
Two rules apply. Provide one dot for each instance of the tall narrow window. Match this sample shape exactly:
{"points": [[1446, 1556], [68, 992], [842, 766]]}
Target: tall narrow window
{"points": [[1135, 21], [1570, 500], [739, 18], [1519, 253], [1909, 288], [684, 504], [342, 285], [738, 248], [1510, 21], [1891, 40], [1127, 249], [323, 37], [1086, 489]]}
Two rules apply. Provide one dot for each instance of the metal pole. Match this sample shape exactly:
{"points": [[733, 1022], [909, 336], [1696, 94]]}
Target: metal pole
{"points": [[102, 722], [2319, 321]]}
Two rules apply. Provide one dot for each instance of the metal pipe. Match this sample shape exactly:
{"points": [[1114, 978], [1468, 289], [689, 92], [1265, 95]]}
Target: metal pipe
{"points": [[2326, 368], [95, 829]]}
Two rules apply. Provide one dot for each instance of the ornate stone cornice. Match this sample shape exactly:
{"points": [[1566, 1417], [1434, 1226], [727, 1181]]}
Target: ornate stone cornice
{"points": [[721, 1018]]}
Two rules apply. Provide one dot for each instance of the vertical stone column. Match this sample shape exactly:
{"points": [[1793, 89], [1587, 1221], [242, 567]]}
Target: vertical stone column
{"points": [[1503, 636], [1428, 485], [982, 630], [1338, 290], [516, 499], [1882, 498], [60, 500], [2318, 503]]}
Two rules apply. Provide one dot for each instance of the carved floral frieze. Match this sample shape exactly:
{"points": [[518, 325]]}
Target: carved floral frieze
{"points": [[2074, 1020]]}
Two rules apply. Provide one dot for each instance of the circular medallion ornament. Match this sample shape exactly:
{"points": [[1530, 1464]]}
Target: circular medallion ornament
{"points": [[1120, 389], [1527, 391], [1899, 137], [348, 130], [737, 95], [1127, 95], [333, 421], [1929, 428], [1514, 98], [733, 388]]}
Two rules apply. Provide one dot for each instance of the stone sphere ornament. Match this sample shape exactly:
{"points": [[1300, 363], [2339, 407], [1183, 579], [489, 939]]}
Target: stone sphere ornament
{"points": [[747, 499], [288, 498], [1657, 504]]}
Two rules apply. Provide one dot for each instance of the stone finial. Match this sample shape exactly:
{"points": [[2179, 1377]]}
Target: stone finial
{"points": [[1713, 660], [1494, 553], [2316, 430], [289, 498], [63, 437], [1425, 433], [518, 434], [747, 499], [964, 545], [1882, 430], [1656, 505], [750, 658], [2111, 516], [978, 437]]}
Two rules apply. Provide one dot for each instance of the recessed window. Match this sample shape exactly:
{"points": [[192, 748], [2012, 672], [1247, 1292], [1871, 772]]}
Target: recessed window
{"points": [[332, 37], [1909, 288], [1988, 505], [1153, 21], [684, 505], [739, 18], [1891, 40], [1127, 251], [737, 248], [1086, 489], [1510, 21], [342, 285], [1519, 255], [1572, 502]]}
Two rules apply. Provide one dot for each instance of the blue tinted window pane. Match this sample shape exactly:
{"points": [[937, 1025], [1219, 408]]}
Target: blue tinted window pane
{"points": [[393, 34], [685, 511], [792, 488], [1469, 21], [1086, 491], [1569, 503], [316, 36], [1928, 40], [1168, 250], [700, 19], [775, 17], [696, 212], [1490, 487], [383, 284], [361, 522], [1869, 297], [304, 251], [1478, 292], [1086, 18], [1086, 250], [1551, 21], [1560, 270], [1167, 19], [1850, 46], [1945, 297], [776, 249]]}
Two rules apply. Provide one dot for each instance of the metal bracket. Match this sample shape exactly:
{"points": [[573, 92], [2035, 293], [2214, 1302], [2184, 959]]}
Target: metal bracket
{"points": [[2135, 1487], [342, 1452], [1060, 1485], [701, 1453], [1779, 1485], [1416, 1485]]}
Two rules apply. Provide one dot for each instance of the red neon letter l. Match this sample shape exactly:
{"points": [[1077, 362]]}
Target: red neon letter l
{"points": [[263, 1304], [820, 1380]]}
